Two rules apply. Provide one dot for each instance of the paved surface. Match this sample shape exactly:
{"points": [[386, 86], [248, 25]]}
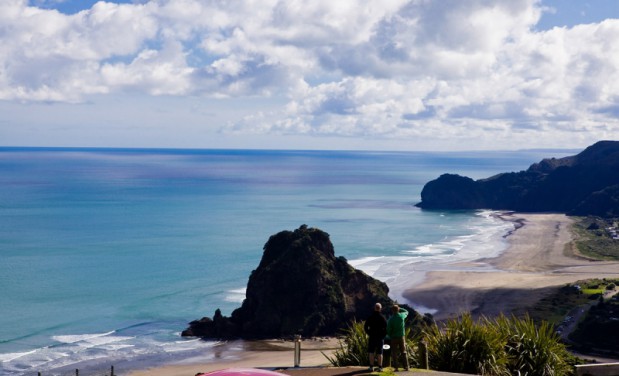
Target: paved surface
{"points": [[351, 371]]}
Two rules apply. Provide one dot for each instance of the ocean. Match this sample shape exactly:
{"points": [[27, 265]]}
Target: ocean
{"points": [[107, 254]]}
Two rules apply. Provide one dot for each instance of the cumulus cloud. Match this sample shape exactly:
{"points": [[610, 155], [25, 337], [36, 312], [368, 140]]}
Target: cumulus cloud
{"points": [[396, 68]]}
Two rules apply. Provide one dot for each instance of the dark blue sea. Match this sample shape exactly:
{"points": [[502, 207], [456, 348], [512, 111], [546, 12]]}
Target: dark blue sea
{"points": [[107, 254]]}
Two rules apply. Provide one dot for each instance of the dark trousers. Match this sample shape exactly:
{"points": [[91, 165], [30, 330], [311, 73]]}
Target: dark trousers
{"points": [[398, 352]]}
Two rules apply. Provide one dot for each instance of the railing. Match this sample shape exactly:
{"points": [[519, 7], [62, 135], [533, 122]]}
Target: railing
{"points": [[90, 373], [597, 369]]}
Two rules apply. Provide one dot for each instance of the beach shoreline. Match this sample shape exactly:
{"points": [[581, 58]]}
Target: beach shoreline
{"points": [[539, 257], [270, 354]]}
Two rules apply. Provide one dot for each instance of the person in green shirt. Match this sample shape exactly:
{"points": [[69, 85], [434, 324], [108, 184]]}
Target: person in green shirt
{"points": [[396, 331]]}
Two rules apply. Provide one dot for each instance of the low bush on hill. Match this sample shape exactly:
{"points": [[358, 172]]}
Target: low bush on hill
{"points": [[596, 331], [594, 239], [560, 302]]}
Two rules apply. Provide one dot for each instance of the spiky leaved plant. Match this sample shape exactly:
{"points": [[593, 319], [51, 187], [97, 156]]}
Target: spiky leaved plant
{"points": [[353, 350], [466, 346], [533, 350]]}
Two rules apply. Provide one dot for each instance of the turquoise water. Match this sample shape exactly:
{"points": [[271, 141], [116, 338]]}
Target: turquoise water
{"points": [[108, 253]]}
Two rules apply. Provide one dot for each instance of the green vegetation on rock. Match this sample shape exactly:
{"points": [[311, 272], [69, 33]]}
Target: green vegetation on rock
{"points": [[582, 184], [299, 288]]}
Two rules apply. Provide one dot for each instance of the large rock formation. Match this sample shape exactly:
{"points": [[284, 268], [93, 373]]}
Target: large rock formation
{"points": [[299, 287], [584, 184]]}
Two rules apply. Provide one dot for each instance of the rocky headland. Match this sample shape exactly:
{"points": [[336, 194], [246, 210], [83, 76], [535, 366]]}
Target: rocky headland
{"points": [[299, 288], [583, 184]]}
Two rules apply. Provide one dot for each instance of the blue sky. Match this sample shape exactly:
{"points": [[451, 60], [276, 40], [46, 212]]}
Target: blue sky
{"points": [[574, 12], [370, 75]]}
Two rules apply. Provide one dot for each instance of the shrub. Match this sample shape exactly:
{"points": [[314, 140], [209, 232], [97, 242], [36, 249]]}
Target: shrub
{"points": [[503, 346], [533, 350], [353, 350], [466, 347]]}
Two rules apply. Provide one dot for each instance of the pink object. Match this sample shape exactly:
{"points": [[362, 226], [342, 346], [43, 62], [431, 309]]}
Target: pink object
{"points": [[240, 372]]}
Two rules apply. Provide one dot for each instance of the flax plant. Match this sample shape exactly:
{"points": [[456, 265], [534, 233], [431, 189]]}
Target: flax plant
{"points": [[533, 350], [499, 347], [464, 346], [353, 348]]}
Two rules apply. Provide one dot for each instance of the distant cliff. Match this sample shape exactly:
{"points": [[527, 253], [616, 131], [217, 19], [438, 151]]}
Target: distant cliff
{"points": [[299, 287], [583, 184]]}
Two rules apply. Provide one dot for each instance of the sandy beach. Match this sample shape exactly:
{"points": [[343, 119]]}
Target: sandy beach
{"points": [[539, 256], [251, 354]]}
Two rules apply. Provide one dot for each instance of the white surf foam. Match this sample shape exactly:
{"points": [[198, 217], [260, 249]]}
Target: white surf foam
{"points": [[235, 295], [85, 350], [401, 272], [9, 357]]}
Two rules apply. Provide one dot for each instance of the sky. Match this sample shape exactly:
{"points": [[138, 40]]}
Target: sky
{"points": [[401, 75]]}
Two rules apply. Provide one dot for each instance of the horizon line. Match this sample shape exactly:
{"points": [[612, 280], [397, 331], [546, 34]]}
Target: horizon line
{"points": [[188, 149]]}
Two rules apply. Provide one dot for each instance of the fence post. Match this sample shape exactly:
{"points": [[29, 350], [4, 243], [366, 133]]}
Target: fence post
{"points": [[112, 371], [423, 347], [297, 350], [77, 372]]}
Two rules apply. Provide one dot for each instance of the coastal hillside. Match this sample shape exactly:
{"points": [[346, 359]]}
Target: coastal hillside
{"points": [[299, 287], [583, 184]]}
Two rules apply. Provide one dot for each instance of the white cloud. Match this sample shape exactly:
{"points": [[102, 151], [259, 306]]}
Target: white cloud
{"points": [[389, 69], [155, 72], [49, 56]]}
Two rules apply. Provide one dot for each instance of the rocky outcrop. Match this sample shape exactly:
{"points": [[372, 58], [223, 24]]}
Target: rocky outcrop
{"points": [[299, 287], [584, 184]]}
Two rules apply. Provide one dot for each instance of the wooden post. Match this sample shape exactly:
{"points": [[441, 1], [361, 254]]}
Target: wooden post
{"points": [[297, 350], [112, 371], [423, 348], [77, 372]]}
